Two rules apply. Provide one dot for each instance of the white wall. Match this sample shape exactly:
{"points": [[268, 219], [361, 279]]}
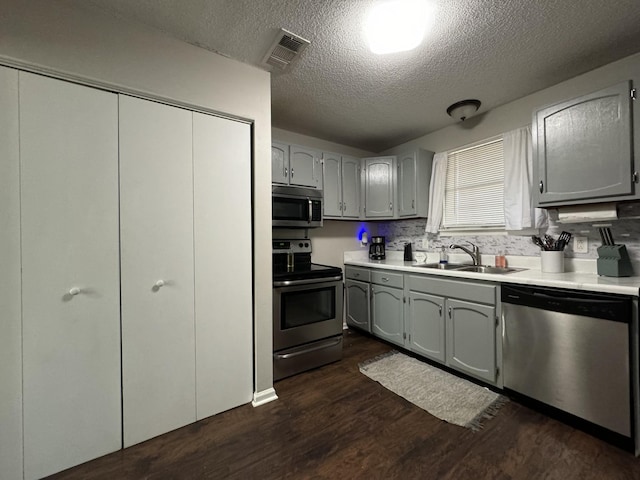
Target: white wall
{"points": [[520, 112], [77, 42], [336, 237]]}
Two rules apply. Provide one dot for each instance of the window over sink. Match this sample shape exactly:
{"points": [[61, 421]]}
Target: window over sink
{"points": [[474, 191]]}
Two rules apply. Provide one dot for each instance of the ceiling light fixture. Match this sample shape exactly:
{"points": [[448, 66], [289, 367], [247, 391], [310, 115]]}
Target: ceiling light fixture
{"points": [[463, 109], [397, 25]]}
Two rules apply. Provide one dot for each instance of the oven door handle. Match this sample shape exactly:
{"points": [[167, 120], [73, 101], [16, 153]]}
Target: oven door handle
{"points": [[306, 281], [284, 356]]}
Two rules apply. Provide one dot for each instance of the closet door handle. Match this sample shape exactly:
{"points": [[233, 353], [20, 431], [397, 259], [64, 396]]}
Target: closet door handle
{"points": [[75, 291]]}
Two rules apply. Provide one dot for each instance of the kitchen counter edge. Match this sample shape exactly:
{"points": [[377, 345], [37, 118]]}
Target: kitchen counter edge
{"points": [[571, 280]]}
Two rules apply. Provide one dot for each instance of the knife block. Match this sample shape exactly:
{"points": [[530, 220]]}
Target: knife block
{"points": [[613, 261]]}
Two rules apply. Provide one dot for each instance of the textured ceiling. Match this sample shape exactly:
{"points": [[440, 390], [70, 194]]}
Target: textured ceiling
{"points": [[493, 50]]}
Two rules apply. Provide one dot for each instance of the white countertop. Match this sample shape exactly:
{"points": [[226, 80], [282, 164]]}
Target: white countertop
{"points": [[581, 277]]}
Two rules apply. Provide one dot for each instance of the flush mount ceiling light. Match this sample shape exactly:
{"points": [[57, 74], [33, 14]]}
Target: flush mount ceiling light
{"points": [[463, 109], [397, 25]]}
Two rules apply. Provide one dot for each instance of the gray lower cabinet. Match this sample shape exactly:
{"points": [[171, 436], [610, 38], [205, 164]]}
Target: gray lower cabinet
{"points": [[426, 325], [358, 301], [454, 322], [451, 321], [387, 317], [471, 338], [387, 306], [583, 149]]}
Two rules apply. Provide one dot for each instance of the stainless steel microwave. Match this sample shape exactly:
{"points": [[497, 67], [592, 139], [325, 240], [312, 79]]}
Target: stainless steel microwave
{"points": [[296, 207]]}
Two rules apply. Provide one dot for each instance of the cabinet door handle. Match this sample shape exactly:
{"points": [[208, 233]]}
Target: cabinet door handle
{"points": [[413, 204], [440, 309], [286, 172], [541, 186], [344, 207], [635, 177], [74, 291], [385, 279], [292, 172], [390, 206], [449, 312]]}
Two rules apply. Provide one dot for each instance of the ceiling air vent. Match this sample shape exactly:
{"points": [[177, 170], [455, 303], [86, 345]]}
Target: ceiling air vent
{"points": [[285, 49]]}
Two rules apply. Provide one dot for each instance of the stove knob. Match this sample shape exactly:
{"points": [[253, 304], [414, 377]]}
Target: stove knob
{"points": [[306, 245], [300, 244]]}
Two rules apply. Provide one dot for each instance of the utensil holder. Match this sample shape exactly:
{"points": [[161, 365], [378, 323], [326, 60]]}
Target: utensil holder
{"points": [[552, 261], [614, 261]]}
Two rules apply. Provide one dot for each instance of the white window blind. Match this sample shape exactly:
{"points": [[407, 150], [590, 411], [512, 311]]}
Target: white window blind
{"points": [[474, 191]]}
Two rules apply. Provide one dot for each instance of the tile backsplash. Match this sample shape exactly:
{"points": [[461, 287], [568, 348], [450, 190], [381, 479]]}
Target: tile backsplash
{"points": [[399, 232]]}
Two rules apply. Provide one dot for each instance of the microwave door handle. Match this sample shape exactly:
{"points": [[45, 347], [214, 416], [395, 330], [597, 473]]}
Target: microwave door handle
{"points": [[310, 211]]}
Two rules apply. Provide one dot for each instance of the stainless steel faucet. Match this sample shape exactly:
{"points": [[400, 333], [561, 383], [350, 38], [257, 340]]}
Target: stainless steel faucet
{"points": [[474, 252]]}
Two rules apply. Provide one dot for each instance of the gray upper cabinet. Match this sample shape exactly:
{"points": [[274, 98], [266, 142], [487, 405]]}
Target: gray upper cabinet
{"points": [[280, 163], [414, 176], [305, 168], [341, 184], [583, 149], [350, 187], [379, 191], [295, 165]]}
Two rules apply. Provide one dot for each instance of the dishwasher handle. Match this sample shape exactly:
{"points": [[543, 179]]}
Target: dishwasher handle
{"points": [[587, 304]]}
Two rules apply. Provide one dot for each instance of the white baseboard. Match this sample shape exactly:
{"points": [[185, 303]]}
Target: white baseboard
{"points": [[265, 396]]}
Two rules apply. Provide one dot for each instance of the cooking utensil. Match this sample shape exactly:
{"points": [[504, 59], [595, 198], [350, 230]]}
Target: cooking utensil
{"points": [[600, 231], [548, 242], [538, 241], [610, 236], [563, 241]]}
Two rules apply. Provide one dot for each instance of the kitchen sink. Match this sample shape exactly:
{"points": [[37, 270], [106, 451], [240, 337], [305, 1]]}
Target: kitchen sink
{"points": [[441, 266], [469, 268], [488, 269]]}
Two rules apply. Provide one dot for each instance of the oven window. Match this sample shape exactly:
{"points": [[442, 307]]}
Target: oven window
{"points": [[305, 307], [290, 209]]}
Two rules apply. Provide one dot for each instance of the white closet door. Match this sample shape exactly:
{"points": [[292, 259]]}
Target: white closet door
{"points": [[156, 208], [70, 278], [223, 263], [10, 301]]}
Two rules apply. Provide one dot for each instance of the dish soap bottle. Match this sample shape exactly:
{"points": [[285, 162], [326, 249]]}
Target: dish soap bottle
{"points": [[443, 255]]}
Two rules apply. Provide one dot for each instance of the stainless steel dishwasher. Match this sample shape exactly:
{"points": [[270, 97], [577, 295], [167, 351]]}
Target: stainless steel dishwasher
{"points": [[570, 350]]}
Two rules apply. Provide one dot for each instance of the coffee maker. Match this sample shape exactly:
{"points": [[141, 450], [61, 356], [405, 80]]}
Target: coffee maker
{"points": [[376, 248]]}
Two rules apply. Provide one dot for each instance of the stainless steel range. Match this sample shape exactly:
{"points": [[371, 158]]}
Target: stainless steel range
{"points": [[307, 310]]}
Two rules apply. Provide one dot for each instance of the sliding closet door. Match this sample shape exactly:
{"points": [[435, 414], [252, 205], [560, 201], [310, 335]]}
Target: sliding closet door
{"points": [[70, 278], [10, 301], [156, 208], [223, 276]]}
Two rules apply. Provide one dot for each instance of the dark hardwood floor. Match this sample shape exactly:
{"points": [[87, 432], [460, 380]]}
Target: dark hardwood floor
{"points": [[335, 423]]}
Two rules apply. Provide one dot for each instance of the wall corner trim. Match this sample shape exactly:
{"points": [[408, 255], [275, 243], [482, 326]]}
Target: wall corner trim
{"points": [[264, 396]]}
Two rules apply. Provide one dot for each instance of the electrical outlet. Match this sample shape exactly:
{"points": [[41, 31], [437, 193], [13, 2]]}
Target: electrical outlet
{"points": [[581, 244]]}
